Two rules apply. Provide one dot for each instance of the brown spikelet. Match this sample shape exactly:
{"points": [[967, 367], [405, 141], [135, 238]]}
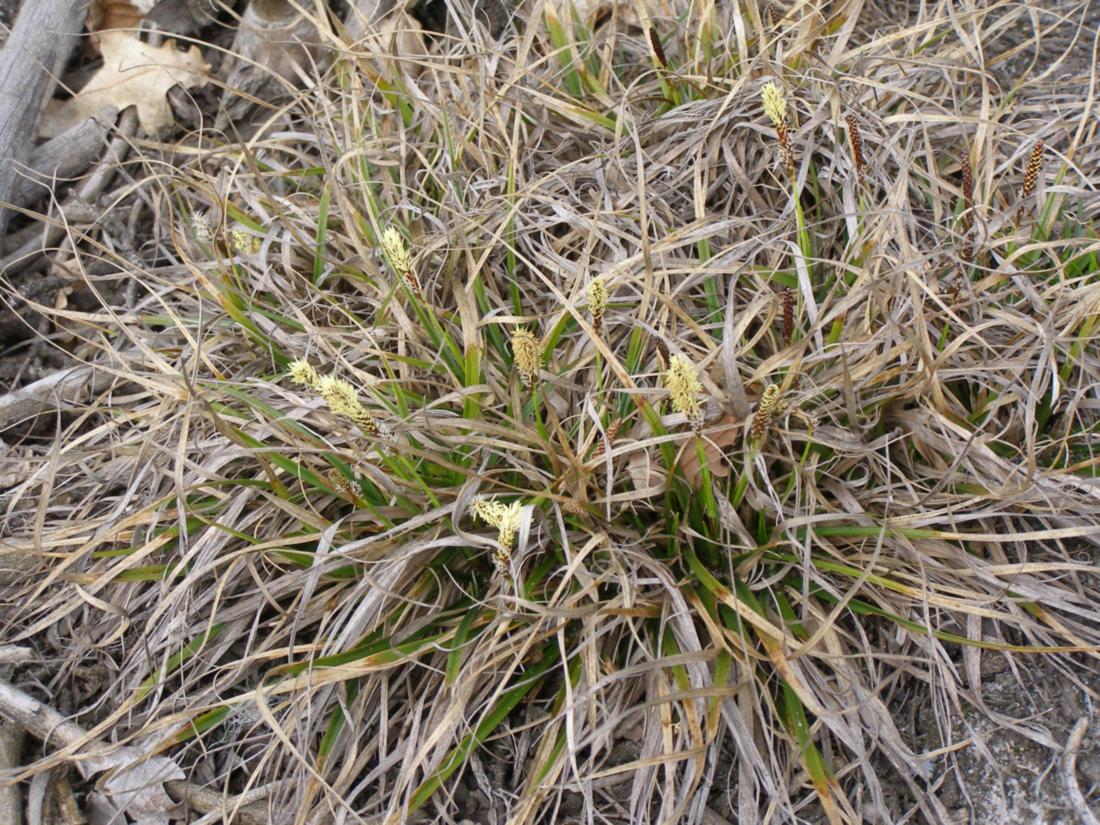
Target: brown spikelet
{"points": [[662, 350], [785, 149], [1031, 177], [414, 284], [788, 315], [856, 141], [770, 404], [968, 193], [610, 436], [368, 425], [967, 251], [340, 483], [954, 292], [502, 563], [573, 507], [658, 49]]}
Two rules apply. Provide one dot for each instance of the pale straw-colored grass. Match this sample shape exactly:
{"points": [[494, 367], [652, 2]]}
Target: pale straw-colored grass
{"points": [[928, 493]]}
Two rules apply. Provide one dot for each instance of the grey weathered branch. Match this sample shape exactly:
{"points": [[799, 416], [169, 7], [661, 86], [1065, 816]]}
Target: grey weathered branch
{"points": [[365, 14], [41, 41], [56, 731], [11, 749], [88, 191], [276, 47], [64, 157], [59, 391]]}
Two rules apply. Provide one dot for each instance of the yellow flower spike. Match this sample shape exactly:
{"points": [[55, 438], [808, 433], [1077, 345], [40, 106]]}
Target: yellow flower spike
{"points": [[597, 302], [511, 518], [507, 518], [775, 107], [775, 103], [343, 399], [684, 387], [393, 246], [525, 355], [300, 372], [489, 511], [245, 243]]}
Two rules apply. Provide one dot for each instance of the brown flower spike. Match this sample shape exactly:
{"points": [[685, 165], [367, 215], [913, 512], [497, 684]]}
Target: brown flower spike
{"points": [[611, 434], [968, 193], [788, 315], [1031, 177], [658, 49], [856, 140], [968, 207], [770, 405], [662, 351]]}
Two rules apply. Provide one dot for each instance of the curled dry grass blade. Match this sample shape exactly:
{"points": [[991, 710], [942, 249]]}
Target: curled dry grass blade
{"points": [[269, 581]]}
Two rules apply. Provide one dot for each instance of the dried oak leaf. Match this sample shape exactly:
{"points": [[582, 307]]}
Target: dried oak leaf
{"points": [[138, 791], [725, 433], [133, 74], [645, 474], [117, 14]]}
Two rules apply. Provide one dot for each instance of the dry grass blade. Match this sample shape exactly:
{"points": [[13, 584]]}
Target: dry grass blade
{"points": [[559, 499]]}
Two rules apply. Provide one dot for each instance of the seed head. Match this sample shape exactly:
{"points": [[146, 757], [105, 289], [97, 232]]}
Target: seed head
{"points": [[775, 103], [597, 302], [788, 314], [662, 350], [609, 437], [300, 372], [202, 229], [507, 518], [1034, 163], [1031, 177], [343, 399], [685, 389], [509, 524], [393, 246], [658, 49], [770, 404], [856, 139], [525, 355], [502, 561], [968, 191], [244, 242], [967, 251], [340, 483]]}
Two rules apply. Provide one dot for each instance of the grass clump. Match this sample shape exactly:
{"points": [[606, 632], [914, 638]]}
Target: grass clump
{"points": [[744, 602]]}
